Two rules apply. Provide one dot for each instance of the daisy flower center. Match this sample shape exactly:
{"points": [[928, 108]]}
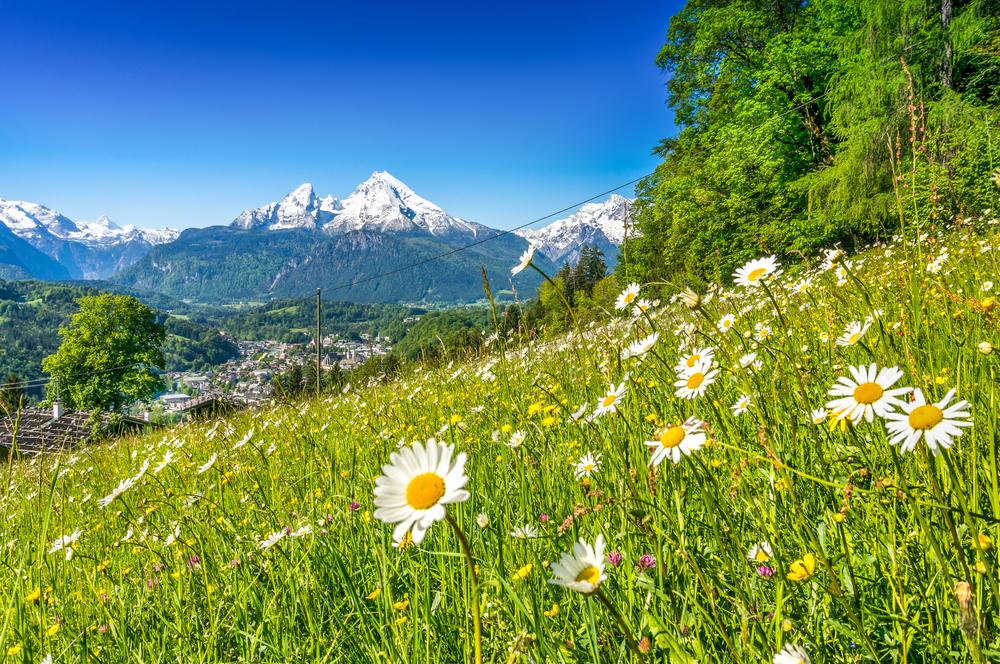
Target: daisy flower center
{"points": [[629, 297], [590, 575], [757, 274], [424, 491], [672, 437], [925, 417], [854, 337], [609, 400], [867, 393], [761, 556], [589, 467], [695, 380], [693, 360]]}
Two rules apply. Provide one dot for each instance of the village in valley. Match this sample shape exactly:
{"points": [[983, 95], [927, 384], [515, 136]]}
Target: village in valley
{"points": [[250, 378]]}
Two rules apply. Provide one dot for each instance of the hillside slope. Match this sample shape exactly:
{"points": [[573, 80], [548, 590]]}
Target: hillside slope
{"points": [[222, 264], [741, 513]]}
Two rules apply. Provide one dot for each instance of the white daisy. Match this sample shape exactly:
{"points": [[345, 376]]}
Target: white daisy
{"points": [[589, 464], [867, 395], [937, 423], [688, 362], [751, 274], [818, 416], [416, 485], [853, 333], [741, 406], [627, 296], [641, 306], [760, 552], [582, 570], [689, 298], [272, 539], [726, 323], [791, 654], [66, 543], [527, 531], [746, 361], [516, 439], [609, 403], [525, 260], [208, 464], [640, 347], [693, 382], [675, 441]]}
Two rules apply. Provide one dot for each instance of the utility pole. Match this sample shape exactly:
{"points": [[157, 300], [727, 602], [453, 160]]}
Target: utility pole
{"points": [[319, 344]]}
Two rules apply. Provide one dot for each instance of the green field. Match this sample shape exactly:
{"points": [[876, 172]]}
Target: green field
{"points": [[779, 525]]}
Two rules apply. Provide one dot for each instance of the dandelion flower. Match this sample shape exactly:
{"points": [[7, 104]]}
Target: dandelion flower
{"points": [[853, 333], [791, 654], [937, 423], [627, 296], [583, 569], [416, 485], [675, 441], [866, 395], [693, 382], [588, 465], [609, 403], [524, 261], [751, 274]]}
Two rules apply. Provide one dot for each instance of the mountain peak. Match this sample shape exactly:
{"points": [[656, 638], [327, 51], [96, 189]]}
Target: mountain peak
{"points": [[104, 221], [601, 224]]}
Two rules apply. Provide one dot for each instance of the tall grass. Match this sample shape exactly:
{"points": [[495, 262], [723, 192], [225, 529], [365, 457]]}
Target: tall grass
{"points": [[173, 568]]}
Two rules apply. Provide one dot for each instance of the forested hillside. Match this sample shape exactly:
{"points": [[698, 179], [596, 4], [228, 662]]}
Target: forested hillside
{"points": [[32, 311], [803, 123]]}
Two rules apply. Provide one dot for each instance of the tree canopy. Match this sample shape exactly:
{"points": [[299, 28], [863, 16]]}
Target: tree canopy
{"points": [[108, 351], [799, 121]]}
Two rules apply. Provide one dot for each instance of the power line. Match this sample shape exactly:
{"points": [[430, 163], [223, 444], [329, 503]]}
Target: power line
{"points": [[39, 382], [456, 250]]}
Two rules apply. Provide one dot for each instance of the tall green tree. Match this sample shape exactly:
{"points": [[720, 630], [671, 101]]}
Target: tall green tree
{"points": [[108, 354], [795, 119]]}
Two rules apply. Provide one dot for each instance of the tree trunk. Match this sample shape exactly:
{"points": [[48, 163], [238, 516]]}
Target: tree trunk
{"points": [[946, 65]]}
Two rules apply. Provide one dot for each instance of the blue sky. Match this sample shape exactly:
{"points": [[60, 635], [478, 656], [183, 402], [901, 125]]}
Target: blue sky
{"points": [[184, 114]]}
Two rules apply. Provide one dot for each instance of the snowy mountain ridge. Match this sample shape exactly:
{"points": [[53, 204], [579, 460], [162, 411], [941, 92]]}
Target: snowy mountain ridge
{"points": [[382, 203], [88, 249], [601, 224]]}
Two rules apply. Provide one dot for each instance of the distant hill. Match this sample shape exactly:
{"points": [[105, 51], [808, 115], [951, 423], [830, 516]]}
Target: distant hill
{"points": [[32, 311]]}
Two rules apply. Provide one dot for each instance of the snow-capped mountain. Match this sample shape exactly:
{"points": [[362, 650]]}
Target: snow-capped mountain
{"points": [[382, 203], [88, 249], [598, 224]]}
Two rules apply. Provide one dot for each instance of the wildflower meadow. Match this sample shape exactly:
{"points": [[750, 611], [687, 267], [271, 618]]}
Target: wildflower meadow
{"points": [[802, 466]]}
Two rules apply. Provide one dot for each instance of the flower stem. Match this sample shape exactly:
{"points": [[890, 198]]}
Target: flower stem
{"points": [[622, 625], [476, 623]]}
